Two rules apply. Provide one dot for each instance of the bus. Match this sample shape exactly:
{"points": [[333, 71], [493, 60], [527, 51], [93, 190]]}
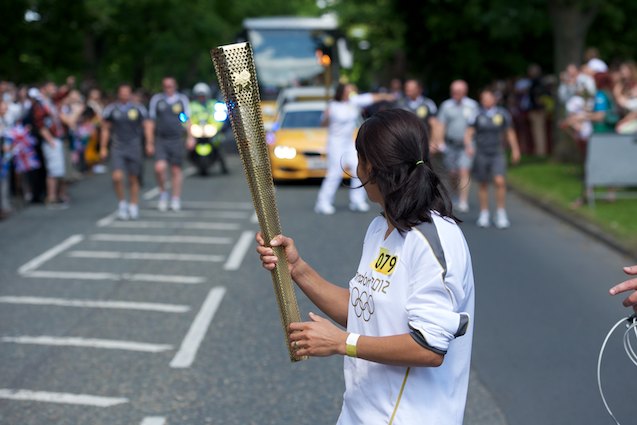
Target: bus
{"points": [[295, 52]]}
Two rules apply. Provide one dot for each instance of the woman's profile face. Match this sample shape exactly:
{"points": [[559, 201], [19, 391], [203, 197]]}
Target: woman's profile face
{"points": [[363, 171]]}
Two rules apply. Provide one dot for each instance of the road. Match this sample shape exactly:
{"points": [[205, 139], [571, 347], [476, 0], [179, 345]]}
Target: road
{"points": [[171, 320]]}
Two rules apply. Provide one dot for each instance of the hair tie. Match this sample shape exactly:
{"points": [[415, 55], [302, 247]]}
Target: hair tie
{"points": [[420, 162]]}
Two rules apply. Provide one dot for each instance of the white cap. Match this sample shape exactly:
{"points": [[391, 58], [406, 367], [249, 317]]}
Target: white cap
{"points": [[597, 65], [33, 93]]}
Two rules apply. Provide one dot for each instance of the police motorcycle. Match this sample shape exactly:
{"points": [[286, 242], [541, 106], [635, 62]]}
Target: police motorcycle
{"points": [[207, 124]]}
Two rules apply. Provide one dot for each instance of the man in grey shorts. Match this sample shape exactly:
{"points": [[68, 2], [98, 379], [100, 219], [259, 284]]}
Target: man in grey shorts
{"points": [[124, 123], [454, 115], [169, 112], [490, 125]]}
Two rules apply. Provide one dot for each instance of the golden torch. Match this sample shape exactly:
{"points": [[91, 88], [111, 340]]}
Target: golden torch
{"points": [[237, 76]]}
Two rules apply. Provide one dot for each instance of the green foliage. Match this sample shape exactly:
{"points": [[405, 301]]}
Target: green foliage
{"points": [[139, 41], [477, 40], [614, 31], [108, 41], [376, 24]]}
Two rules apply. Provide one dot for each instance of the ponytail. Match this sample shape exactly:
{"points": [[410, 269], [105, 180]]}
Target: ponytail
{"points": [[395, 143]]}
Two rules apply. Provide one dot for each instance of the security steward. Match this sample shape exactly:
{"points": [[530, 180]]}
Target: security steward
{"points": [[426, 110], [124, 124], [170, 112]]}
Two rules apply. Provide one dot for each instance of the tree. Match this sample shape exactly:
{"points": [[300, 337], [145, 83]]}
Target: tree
{"points": [[571, 21]]}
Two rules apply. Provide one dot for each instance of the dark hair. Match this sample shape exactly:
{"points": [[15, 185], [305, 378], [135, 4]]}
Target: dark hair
{"points": [[339, 92], [603, 81], [395, 144]]}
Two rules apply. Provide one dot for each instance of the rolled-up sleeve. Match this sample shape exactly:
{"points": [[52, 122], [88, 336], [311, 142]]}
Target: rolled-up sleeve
{"points": [[432, 307]]}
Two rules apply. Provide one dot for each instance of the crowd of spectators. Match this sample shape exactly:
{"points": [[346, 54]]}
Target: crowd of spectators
{"points": [[598, 98], [49, 138]]}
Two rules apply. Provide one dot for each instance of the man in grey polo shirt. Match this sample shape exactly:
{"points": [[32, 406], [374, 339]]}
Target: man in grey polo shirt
{"points": [[169, 112], [454, 116], [124, 123]]}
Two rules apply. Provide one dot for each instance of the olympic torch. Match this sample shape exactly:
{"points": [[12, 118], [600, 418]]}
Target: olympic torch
{"points": [[237, 76]]}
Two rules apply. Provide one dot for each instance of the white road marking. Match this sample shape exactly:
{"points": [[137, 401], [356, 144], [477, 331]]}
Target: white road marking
{"points": [[64, 398], [150, 194], [189, 346], [159, 256], [154, 420], [50, 274], [218, 205], [165, 278], [105, 237], [88, 343], [239, 251], [123, 305], [107, 220], [47, 255], [254, 218], [195, 225], [201, 214]]}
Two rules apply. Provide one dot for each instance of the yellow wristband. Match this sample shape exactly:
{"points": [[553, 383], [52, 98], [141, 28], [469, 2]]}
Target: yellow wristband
{"points": [[350, 344]]}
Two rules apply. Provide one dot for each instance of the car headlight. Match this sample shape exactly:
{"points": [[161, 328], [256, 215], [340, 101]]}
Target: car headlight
{"points": [[284, 152], [196, 131], [209, 130]]}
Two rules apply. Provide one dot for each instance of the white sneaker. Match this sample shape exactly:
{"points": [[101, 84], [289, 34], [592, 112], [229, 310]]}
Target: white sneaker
{"points": [[463, 207], [162, 205], [133, 211], [359, 206], [483, 220], [175, 204], [501, 219], [122, 211], [325, 209]]}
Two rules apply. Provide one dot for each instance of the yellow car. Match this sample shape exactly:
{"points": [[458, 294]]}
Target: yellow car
{"points": [[298, 143]]}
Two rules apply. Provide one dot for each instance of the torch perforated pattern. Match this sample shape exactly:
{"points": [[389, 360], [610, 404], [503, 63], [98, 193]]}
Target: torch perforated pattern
{"points": [[237, 76]]}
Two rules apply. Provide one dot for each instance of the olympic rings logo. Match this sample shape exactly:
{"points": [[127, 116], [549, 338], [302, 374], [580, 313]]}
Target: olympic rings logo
{"points": [[363, 304]]}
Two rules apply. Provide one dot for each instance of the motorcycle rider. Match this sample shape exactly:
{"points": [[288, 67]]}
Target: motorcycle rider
{"points": [[203, 109]]}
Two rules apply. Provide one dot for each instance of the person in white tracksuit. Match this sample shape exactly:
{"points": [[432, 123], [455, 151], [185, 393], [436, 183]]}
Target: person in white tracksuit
{"points": [[342, 116]]}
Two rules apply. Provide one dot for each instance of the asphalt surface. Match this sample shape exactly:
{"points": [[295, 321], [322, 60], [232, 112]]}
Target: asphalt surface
{"points": [[197, 340]]}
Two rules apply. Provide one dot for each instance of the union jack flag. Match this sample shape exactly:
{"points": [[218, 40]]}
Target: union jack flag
{"points": [[22, 149]]}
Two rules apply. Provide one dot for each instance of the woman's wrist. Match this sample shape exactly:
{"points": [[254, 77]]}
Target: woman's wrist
{"points": [[300, 271]]}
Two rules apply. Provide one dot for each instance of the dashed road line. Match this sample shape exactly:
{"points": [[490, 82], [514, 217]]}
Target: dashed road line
{"points": [[189, 346], [218, 205], [108, 344], [154, 192], [140, 277], [188, 225], [150, 194], [239, 251], [153, 256], [103, 304], [103, 222], [201, 214], [64, 398], [154, 420], [47, 255], [210, 240]]}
